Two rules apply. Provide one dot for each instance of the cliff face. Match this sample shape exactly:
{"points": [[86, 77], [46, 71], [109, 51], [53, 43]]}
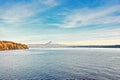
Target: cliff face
{"points": [[8, 45]]}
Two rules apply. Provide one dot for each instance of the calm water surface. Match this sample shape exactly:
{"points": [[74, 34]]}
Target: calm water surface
{"points": [[60, 64]]}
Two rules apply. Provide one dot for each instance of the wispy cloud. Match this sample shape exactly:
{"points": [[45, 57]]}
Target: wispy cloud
{"points": [[15, 17], [86, 17], [48, 2], [44, 20], [79, 37], [22, 12]]}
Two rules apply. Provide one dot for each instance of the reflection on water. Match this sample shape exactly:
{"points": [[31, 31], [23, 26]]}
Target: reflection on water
{"points": [[60, 64]]}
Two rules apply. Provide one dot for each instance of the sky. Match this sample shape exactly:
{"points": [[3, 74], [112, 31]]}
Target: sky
{"points": [[71, 22]]}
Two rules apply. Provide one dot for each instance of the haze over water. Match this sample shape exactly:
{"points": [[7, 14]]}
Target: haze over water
{"points": [[60, 64]]}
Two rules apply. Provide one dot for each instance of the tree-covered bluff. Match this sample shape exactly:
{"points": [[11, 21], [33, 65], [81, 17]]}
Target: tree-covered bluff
{"points": [[9, 45]]}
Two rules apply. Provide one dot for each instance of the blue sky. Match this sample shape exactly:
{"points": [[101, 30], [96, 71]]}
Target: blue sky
{"points": [[77, 22]]}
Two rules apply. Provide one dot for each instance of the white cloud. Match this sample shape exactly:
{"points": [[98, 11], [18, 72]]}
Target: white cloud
{"points": [[98, 36], [16, 14], [86, 17], [48, 2], [21, 12]]}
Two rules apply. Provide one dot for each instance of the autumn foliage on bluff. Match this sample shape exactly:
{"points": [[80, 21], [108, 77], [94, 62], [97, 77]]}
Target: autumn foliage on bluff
{"points": [[8, 45]]}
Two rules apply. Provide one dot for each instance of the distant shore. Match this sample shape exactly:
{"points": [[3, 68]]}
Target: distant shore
{"points": [[9, 45], [69, 46], [97, 46]]}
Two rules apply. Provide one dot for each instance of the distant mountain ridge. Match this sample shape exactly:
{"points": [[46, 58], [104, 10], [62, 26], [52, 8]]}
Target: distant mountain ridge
{"points": [[49, 44], [9, 45]]}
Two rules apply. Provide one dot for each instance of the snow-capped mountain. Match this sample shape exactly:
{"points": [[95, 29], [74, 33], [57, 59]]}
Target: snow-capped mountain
{"points": [[49, 44]]}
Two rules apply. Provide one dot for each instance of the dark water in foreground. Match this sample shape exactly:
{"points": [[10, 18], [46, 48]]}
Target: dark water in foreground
{"points": [[60, 64]]}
